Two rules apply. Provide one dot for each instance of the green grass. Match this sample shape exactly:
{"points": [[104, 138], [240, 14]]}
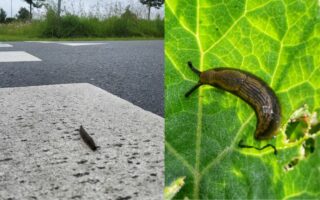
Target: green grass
{"points": [[19, 29], [9, 38], [72, 27]]}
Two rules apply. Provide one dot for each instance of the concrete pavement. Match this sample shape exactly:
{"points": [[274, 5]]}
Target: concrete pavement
{"points": [[43, 157]]}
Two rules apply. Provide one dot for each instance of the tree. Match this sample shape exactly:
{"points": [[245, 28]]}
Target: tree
{"points": [[128, 14], [3, 15], [152, 3], [10, 20], [34, 3], [23, 14]]}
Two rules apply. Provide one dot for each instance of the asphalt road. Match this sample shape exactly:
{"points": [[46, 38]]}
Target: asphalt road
{"points": [[132, 70]]}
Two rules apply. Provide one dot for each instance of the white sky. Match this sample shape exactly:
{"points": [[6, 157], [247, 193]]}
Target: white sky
{"points": [[74, 6]]}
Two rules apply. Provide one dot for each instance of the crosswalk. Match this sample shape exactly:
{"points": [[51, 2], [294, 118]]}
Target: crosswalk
{"points": [[22, 56], [5, 45], [74, 44], [17, 56], [37, 126], [38, 123]]}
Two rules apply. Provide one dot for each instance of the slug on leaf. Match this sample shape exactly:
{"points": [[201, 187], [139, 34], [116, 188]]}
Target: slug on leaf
{"points": [[252, 90]]}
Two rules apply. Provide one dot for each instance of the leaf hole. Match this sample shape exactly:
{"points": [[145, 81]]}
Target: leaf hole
{"points": [[309, 146], [296, 130], [315, 128], [291, 164]]}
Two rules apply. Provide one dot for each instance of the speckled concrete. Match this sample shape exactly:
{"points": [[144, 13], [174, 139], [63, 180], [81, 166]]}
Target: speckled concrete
{"points": [[43, 157]]}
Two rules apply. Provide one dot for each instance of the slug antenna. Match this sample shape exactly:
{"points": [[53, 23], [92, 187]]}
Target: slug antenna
{"points": [[241, 145], [193, 68]]}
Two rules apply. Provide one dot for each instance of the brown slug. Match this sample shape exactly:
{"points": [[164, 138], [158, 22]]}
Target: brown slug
{"points": [[87, 139], [252, 90]]}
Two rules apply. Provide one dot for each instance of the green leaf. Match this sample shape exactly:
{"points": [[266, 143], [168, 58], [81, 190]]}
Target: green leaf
{"points": [[277, 40]]}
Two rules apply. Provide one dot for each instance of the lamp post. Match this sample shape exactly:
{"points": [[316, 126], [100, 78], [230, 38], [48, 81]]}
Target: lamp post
{"points": [[11, 8], [59, 7]]}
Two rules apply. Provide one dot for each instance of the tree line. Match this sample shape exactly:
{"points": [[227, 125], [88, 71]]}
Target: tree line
{"points": [[25, 14]]}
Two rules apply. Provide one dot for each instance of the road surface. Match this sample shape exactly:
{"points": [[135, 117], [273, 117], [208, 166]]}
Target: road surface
{"points": [[132, 70]]}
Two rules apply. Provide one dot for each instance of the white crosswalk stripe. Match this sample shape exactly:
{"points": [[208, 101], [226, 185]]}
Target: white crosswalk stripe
{"points": [[5, 45], [79, 44], [17, 56], [73, 44], [39, 143]]}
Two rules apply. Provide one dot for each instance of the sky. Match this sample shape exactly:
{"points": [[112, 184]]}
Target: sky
{"points": [[84, 6]]}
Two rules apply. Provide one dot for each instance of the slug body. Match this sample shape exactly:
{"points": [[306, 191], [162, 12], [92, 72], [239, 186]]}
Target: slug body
{"points": [[252, 90], [87, 139]]}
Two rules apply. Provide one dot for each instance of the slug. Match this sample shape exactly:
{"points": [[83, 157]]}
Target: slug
{"points": [[252, 90], [87, 139]]}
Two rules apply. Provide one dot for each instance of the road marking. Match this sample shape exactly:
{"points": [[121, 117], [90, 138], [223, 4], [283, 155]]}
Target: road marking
{"points": [[39, 41], [5, 45], [74, 44], [17, 56], [39, 144], [44, 42], [79, 44]]}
